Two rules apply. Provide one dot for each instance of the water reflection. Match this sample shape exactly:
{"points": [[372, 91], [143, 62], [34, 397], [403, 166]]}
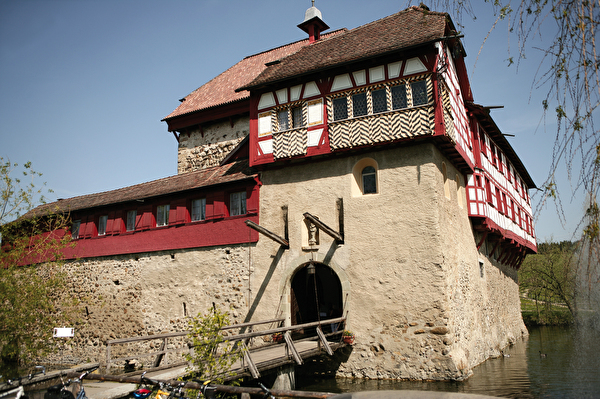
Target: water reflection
{"points": [[571, 369]]}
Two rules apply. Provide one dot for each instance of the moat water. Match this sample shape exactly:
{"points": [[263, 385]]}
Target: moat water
{"points": [[570, 369]]}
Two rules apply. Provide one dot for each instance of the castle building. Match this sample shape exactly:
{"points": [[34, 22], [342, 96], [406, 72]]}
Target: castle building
{"points": [[397, 200]]}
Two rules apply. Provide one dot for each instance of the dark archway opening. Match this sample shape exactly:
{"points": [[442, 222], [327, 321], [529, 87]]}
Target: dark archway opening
{"points": [[316, 295]]}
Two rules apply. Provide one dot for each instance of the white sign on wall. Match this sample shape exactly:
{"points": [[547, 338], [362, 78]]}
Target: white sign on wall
{"points": [[63, 332]]}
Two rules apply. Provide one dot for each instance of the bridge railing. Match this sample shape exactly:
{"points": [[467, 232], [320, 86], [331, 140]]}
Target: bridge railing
{"points": [[244, 339]]}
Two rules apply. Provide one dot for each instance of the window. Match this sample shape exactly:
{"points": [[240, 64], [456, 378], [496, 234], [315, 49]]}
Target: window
{"points": [[162, 215], [237, 203], [75, 229], [379, 101], [283, 120], [359, 104], [340, 109], [198, 209], [419, 93], [369, 180], [364, 178], [399, 97], [102, 225], [297, 120], [130, 225]]}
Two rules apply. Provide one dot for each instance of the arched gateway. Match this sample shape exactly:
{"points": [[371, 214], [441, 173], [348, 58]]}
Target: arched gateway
{"points": [[316, 294]]}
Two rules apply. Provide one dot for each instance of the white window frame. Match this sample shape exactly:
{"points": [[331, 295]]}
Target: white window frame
{"points": [[102, 222], [198, 211], [237, 203], [162, 215], [130, 221], [75, 229]]}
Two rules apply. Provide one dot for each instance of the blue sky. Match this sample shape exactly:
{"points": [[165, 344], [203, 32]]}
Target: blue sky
{"points": [[84, 84]]}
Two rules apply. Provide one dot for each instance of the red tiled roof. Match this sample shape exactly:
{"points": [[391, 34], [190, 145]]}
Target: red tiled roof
{"points": [[221, 89], [235, 171], [405, 29]]}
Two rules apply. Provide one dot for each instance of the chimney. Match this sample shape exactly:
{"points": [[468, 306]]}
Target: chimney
{"points": [[313, 24]]}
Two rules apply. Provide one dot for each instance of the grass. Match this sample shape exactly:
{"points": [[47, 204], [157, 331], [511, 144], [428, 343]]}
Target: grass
{"points": [[544, 314]]}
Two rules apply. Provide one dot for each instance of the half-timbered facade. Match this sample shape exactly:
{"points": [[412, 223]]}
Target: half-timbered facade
{"points": [[394, 200]]}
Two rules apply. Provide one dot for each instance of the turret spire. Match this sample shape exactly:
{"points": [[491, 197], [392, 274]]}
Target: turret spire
{"points": [[313, 23]]}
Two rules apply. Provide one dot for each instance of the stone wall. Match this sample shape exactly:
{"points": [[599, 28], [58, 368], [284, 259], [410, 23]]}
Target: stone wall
{"points": [[149, 294], [199, 149]]}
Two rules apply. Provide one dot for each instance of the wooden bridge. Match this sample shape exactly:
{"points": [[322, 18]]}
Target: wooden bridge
{"points": [[298, 342]]}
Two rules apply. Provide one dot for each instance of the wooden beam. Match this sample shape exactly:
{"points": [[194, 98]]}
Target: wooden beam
{"points": [[290, 344], [324, 341], [251, 366], [324, 228], [283, 242]]}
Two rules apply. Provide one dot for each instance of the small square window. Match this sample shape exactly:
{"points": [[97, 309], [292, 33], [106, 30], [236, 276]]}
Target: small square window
{"points": [[283, 120], [237, 203], [359, 104], [419, 93], [340, 109], [75, 229], [399, 97], [198, 209], [102, 225], [379, 101], [297, 120], [131, 215], [162, 215]]}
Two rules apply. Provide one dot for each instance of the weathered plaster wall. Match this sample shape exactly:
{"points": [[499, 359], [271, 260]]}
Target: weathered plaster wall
{"points": [[408, 265], [199, 149]]}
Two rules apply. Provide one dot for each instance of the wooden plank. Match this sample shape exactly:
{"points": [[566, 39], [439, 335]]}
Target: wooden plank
{"points": [[290, 344], [160, 356], [248, 359], [267, 233], [324, 228], [324, 341]]}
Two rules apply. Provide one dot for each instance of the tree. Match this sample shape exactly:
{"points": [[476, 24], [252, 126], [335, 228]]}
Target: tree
{"points": [[213, 354], [30, 295], [549, 277]]}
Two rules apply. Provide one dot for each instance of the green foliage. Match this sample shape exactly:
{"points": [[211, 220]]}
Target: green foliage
{"points": [[30, 296], [547, 280], [213, 354]]}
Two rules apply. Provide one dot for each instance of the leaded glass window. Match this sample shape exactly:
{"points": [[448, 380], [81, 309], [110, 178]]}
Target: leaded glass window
{"points": [[297, 117], [282, 120], [369, 179], [359, 104], [340, 109], [419, 93], [379, 101], [399, 97]]}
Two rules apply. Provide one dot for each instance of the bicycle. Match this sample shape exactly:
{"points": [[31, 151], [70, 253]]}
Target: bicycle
{"points": [[60, 391], [19, 391]]}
